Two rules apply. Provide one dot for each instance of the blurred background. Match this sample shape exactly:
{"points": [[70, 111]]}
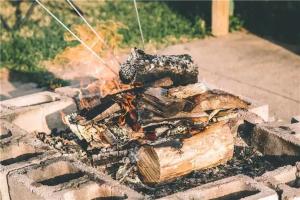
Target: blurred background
{"points": [[37, 53]]}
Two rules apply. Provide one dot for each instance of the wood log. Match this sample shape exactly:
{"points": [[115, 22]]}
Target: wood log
{"points": [[209, 148], [183, 92], [215, 99], [144, 68]]}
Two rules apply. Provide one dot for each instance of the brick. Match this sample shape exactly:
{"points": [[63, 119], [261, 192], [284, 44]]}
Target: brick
{"points": [[64, 178], [235, 187], [277, 139], [284, 181]]}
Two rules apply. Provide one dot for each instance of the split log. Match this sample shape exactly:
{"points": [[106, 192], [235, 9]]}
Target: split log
{"points": [[209, 148], [165, 109], [216, 99], [97, 135], [194, 117], [110, 111], [183, 92], [144, 68]]}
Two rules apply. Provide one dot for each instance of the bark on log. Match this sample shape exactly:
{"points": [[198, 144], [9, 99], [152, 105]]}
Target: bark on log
{"points": [[144, 68], [209, 148]]}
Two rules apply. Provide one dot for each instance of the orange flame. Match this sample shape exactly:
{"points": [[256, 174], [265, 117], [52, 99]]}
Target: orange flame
{"points": [[100, 89]]}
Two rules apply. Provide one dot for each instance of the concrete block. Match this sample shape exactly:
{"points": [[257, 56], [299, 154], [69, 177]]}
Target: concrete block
{"points": [[68, 91], [19, 148], [262, 110], [31, 99], [285, 180], [94, 190], [236, 187], [90, 93], [41, 118], [4, 132], [277, 139], [259, 108], [63, 178]]}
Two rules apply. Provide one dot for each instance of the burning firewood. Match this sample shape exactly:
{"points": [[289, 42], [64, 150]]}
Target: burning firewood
{"points": [[97, 135], [163, 124], [206, 149], [114, 108], [144, 68], [96, 92]]}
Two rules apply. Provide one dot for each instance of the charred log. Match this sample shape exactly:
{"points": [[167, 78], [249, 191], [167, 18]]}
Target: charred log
{"points": [[145, 68]]}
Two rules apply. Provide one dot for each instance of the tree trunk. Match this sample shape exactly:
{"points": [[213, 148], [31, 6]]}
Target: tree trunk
{"points": [[209, 148]]}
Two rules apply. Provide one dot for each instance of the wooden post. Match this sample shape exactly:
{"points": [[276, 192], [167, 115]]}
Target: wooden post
{"points": [[220, 17]]}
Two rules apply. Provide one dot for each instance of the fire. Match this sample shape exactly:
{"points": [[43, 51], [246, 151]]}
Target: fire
{"points": [[130, 111], [100, 89]]}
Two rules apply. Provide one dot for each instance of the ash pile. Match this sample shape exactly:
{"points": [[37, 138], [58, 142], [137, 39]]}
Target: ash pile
{"points": [[156, 122]]}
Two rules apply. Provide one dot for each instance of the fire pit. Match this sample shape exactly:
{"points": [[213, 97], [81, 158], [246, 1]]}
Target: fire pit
{"points": [[156, 130]]}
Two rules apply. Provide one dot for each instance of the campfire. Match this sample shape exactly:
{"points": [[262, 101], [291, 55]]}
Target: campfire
{"points": [[154, 124]]}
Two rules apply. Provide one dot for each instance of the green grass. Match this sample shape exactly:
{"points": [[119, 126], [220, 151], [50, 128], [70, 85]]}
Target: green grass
{"points": [[157, 19], [161, 24], [23, 55]]}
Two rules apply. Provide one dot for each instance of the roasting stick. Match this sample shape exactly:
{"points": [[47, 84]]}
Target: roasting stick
{"points": [[138, 20], [74, 35], [94, 31]]}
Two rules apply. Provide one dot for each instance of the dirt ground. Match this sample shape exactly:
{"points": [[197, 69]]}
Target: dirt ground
{"points": [[239, 62]]}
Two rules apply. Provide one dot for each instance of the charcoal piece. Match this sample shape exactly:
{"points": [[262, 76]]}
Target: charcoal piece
{"points": [[145, 68]]}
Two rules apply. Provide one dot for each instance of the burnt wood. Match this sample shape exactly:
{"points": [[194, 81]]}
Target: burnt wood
{"points": [[144, 68]]}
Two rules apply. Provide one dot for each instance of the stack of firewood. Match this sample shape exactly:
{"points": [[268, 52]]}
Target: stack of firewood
{"points": [[157, 119]]}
